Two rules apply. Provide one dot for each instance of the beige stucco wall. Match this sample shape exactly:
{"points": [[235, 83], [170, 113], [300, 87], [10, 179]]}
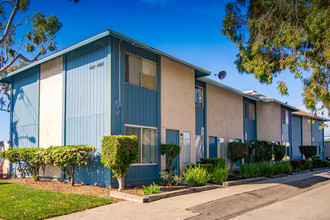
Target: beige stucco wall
{"points": [[307, 131], [178, 103], [51, 87], [224, 116], [269, 121]]}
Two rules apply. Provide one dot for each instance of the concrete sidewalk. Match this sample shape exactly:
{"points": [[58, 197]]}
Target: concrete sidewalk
{"points": [[175, 207]]}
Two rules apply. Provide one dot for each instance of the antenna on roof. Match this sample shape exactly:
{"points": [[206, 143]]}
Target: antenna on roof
{"points": [[221, 75]]}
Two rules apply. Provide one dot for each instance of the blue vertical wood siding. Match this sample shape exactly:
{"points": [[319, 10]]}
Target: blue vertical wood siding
{"points": [[88, 94], [318, 136], [200, 112], [140, 106], [25, 106], [134, 105], [296, 137], [87, 104]]}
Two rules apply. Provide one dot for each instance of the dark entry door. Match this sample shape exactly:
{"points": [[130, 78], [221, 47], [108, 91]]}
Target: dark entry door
{"points": [[172, 137], [213, 147]]}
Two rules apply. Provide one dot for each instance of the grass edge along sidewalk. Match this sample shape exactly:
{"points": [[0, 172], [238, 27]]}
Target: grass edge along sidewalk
{"points": [[21, 202]]}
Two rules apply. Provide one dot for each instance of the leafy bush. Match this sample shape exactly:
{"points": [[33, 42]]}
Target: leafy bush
{"points": [[327, 158], [196, 176], [282, 167], [265, 169], [256, 170], [279, 151], [214, 161], [68, 157], [118, 153], [317, 162], [169, 152], [170, 180], [208, 167], [236, 151], [263, 150], [308, 151], [219, 174], [301, 164], [251, 170], [306, 164], [296, 165], [28, 160], [151, 189]]}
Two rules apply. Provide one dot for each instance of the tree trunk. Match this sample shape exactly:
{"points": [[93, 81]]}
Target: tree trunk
{"points": [[72, 175], [121, 182], [233, 167]]}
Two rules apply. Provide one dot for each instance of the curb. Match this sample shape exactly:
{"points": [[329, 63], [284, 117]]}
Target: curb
{"points": [[243, 181], [150, 198]]}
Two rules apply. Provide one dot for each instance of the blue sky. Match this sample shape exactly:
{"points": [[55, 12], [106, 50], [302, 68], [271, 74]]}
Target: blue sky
{"points": [[187, 29]]}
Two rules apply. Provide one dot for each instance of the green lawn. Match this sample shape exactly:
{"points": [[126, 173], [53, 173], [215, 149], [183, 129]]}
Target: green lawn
{"points": [[21, 202]]}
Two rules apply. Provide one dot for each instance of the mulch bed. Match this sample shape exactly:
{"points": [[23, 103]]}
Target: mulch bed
{"points": [[65, 187]]}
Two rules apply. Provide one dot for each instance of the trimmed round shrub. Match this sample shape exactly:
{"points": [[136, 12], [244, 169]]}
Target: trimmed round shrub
{"points": [[236, 151], [279, 152], [169, 152], [263, 150], [118, 153], [308, 150]]}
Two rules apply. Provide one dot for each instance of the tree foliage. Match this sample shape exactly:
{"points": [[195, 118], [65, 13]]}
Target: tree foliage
{"points": [[274, 35], [263, 150], [169, 152], [236, 151], [18, 48], [27, 160], [308, 151], [118, 153], [68, 157]]}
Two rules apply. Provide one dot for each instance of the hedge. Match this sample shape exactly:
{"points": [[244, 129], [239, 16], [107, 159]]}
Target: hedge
{"points": [[118, 153], [308, 150]]}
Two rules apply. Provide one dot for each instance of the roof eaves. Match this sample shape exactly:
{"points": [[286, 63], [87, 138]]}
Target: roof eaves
{"points": [[225, 87], [308, 115], [139, 44], [57, 54]]}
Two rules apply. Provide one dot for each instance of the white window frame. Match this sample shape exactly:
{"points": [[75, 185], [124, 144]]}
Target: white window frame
{"points": [[140, 73], [140, 144], [285, 116]]}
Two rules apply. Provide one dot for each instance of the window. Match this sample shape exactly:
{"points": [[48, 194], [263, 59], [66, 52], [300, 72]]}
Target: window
{"points": [[140, 72], [147, 143], [285, 116], [186, 147], [249, 111], [199, 97]]}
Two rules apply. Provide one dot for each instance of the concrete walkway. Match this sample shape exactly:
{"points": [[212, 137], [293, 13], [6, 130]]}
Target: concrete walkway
{"points": [[313, 204], [176, 207]]}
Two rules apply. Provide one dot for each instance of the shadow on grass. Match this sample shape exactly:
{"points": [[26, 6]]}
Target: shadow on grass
{"points": [[4, 183]]}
